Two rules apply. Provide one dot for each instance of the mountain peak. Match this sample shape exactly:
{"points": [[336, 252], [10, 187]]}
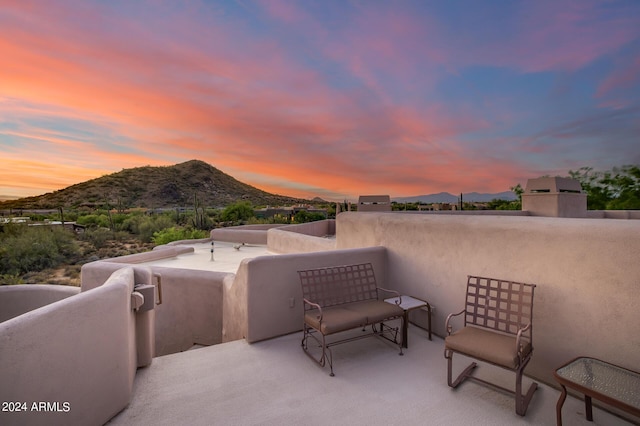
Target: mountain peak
{"points": [[156, 186]]}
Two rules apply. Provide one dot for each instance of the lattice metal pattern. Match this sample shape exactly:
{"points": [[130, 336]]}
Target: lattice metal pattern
{"points": [[338, 284], [502, 305]]}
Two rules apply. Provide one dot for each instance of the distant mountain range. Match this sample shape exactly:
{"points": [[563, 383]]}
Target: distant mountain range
{"points": [[445, 197]]}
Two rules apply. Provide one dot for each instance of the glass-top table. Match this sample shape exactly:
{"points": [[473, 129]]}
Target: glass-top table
{"points": [[598, 379]]}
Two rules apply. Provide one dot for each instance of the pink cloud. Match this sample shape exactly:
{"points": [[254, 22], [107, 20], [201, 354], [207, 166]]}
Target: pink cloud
{"points": [[625, 76], [570, 35]]}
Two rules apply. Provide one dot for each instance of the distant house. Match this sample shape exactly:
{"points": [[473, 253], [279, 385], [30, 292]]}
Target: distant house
{"points": [[288, 212], [374, 203], [15, 219]]}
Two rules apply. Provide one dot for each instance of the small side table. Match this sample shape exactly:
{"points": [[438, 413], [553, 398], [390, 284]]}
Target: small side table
{"points": [[409, 304], [606, 382]]}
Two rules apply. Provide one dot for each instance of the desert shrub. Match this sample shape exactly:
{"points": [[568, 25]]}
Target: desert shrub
{"points": [[70, 216], [145, 226], [9, 230], [73, 271], [36, 248], [275, 219], [118, 219], [176, 234], [10, 279], [98, 237], [155, 224], [95, 220]]}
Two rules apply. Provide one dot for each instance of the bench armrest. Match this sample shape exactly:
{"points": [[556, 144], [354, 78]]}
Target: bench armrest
{"points": [[448, 326], [519, 345], [395, 293], [315, 305]]}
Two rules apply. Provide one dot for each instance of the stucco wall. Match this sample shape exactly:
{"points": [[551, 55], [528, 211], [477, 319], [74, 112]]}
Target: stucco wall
{"points": [[587, 274], [248, 234], [302, 238], [268, 287], [191, 309], [18, 299], [80, 351], [613, 214], [159, 252]]}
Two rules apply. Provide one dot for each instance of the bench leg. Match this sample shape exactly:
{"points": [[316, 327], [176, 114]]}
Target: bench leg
{"points": [[326, 356]]}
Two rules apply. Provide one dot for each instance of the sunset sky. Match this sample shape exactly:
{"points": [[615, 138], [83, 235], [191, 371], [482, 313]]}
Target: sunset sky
{"points": [[319, 98]]}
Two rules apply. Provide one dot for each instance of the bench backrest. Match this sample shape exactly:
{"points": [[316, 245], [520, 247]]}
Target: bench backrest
{"points": [[499, 305], [336, 285]]}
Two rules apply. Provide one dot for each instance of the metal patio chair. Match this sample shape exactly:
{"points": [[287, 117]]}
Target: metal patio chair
{"points": [[497, 330]]}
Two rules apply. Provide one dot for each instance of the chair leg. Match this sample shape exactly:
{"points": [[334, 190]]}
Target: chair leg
{"points": [[463, 376], [522, 401]]}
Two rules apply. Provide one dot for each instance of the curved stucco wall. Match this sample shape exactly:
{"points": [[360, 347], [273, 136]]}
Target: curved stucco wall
{"points": [[587, 274], [80, 350], [18, 299]]}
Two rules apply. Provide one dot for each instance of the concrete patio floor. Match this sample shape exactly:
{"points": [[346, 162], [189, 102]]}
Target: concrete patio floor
{"points": [[274, 383]]}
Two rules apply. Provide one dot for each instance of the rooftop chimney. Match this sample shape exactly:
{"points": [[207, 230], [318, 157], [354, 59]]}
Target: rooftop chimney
{"points": [[554, 197]]}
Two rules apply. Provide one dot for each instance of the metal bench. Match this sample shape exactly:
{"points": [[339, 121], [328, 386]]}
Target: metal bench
{"points": [[341, 298], [497, 330]]}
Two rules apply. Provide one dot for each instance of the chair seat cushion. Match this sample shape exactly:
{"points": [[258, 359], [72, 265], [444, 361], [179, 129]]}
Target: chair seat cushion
{"points": [[375, 310], [334, 319], [487, 345]]}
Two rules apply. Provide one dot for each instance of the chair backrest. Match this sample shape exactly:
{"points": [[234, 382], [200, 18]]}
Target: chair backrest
{"points": [[499, 305], [336, 285]]}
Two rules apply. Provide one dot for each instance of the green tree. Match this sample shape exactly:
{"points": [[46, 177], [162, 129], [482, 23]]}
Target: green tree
{"points": [[598, 195], [625, 186], [616, 189], [304, 216], [237, 212]]}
